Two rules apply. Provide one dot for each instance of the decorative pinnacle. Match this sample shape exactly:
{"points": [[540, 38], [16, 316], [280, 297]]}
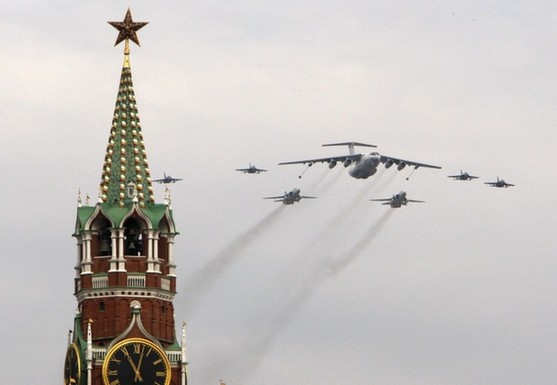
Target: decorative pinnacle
{"points": [[127, 29]]}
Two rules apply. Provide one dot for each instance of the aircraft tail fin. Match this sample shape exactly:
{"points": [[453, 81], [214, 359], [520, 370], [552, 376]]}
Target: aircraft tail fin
{"points": [[350, 145]]}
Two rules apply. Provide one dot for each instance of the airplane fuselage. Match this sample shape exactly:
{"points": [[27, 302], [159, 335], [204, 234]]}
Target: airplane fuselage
{"points": [[366, 166], [292, 197], [399, 200]]}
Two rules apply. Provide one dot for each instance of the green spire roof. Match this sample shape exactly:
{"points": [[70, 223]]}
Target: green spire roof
{"points": [[126, 174], [125, 161]]}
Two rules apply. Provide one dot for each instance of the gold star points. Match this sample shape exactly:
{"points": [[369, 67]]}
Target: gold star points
{"points": [[127, 28]]}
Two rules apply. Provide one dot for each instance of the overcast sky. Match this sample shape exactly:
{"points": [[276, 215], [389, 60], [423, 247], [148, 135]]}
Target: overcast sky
{"points": [[337, 290]]}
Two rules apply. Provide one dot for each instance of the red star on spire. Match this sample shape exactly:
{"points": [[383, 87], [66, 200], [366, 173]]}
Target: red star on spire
{"points": [[127, 28]]}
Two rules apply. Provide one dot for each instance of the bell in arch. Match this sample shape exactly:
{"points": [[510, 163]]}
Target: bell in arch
{"points": [[105, 246]]}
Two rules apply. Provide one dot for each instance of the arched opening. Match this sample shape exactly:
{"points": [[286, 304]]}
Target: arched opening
{"points": [[133, 236], [102, 244], [163, 256]]}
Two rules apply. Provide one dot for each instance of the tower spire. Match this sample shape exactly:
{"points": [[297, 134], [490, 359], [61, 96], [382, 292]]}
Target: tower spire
{"points": [[125, 258], [126, 159]]}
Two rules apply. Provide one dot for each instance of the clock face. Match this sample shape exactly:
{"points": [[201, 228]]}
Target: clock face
{"points": [[72, 365], [136, 361]]}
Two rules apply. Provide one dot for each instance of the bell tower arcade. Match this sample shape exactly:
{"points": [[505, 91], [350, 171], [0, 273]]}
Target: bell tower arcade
{"points": [[125, 282]]}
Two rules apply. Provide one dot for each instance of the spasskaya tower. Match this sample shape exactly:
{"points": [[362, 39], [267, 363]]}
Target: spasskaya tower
{"points": [[125, 283]]}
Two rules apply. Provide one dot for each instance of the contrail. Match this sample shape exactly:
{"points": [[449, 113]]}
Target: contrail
{"points": [[385, 182], [329, 235], [324, 184], [255, 351], [337, 265], [200, 281], [379, 184], [319, 179], [254, 355]]}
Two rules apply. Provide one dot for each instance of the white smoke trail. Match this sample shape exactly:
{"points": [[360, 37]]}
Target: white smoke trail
{"points": [[323, 184], [255, 349], [333, 233], [201, 280], [321, 177], [253, 355], [383, 183]]}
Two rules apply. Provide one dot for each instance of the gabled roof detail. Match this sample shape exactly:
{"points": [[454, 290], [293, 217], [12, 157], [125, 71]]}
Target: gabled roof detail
{"points": [[153, 215], [126, 159]]}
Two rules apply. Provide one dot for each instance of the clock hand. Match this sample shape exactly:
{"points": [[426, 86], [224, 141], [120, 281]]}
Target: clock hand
{"points": [[130, 361], [137, 373]]}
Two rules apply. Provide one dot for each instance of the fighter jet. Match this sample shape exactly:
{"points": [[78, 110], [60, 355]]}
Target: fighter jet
{"points": [[167, 179], [290, 197], [463, 176], [397, 200], [251, 170], [363, 165], [499, 183]]}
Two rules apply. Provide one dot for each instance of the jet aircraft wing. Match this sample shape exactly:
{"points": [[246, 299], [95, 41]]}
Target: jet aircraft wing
{"points": [[398, 161], [386, 201], [167, 180], [281, 197], [499, 184], [252, 170], [463, 176], [340, 158]]}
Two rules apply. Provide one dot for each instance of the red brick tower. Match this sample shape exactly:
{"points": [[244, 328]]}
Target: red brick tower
{"points": [[124, 331]]}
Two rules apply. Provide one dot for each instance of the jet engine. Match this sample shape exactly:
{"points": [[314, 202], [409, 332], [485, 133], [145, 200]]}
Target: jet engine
{"points": [[347, 162], [332, 163], [388, 163], [401, 166]]}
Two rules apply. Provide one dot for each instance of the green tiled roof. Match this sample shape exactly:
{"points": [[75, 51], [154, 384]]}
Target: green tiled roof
{"points": [[115, 214], [126, 159]]}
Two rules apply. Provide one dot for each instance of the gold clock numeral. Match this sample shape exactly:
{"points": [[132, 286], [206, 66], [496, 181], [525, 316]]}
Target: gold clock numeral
{"points": [[115, 382], [113, 372], [157, 361], [160, 374], [137, 348]]}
